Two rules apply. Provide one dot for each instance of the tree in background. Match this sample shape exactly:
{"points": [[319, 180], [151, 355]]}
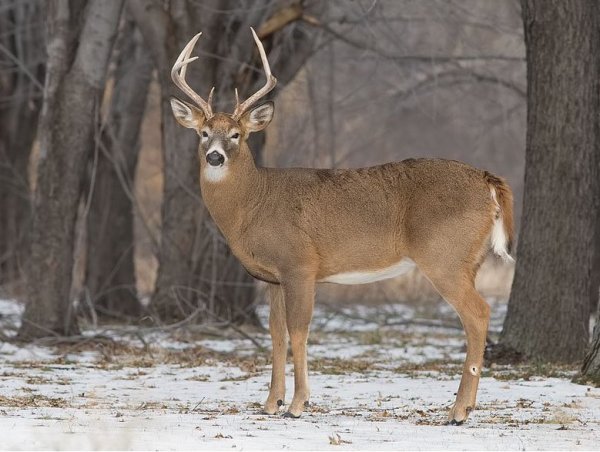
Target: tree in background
{"points": [[21, 86], [595, 289], [590, 369], [549, 308], [80, 38], [110, 280]]}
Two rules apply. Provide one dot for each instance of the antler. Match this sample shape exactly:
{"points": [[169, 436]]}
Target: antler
{"points": [[240, 109], [178, 77]]}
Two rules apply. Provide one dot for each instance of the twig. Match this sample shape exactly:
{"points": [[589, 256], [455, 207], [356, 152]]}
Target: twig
{"points": [[240, 332], [415, 58], [198, 404], [418, 322], [22, 66]]}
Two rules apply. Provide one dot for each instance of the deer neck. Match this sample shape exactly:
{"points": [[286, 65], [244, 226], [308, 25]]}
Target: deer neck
{"points": [[229, 197]]}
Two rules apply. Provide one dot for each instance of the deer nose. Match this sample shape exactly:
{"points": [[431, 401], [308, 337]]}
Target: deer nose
{"points": [[215, 158]]}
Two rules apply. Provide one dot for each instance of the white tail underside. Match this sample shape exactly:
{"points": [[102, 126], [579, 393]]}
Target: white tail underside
{"points": [[498, 238]]}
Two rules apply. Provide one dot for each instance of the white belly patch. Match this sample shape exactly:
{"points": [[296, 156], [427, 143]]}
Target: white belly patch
{"points": [[364, 277]]}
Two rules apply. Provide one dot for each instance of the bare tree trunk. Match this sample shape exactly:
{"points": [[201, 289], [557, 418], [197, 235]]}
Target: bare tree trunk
{"points": [[549, 308], [595, 289], [80, 40], [20, 100], [110, 272], [181, 206], [196, 269], [590, 369]]}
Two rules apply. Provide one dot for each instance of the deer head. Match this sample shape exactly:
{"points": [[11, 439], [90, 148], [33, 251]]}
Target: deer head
{"points": [[222, 135]]}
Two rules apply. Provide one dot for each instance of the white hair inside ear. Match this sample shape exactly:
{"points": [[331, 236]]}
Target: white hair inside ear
{"points": [[259, 117], [180, 109], [185, 115]]}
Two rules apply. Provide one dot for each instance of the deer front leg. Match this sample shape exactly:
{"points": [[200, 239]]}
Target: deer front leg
{"points": [[299, 294], [278, 329]]}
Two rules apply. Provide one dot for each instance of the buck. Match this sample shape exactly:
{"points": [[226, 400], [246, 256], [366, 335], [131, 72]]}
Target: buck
{"points": [[294, 228]]}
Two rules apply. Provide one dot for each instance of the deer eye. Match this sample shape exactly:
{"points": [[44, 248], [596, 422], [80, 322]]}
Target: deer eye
{"points": [[204, 134], [235, 136]]}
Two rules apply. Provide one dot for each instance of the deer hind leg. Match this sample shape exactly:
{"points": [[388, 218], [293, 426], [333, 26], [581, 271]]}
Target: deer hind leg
{"points": [[474, 312], [278, 329], [299, 297]]}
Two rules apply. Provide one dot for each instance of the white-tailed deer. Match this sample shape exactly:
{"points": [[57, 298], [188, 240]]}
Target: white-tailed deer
{"points": [[293, 228]]}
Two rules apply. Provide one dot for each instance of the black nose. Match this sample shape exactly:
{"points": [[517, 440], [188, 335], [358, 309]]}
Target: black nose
{"points": [[215, 158]]}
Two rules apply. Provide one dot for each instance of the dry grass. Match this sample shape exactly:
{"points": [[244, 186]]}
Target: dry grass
{"points": [[33, 400]]}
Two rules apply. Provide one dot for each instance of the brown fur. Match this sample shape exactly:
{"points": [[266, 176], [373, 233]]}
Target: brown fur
{"points": [[295, 227]]}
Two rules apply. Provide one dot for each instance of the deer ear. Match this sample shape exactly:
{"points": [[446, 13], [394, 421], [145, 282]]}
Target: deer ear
{"points": [[259, 117], [186, 114]]}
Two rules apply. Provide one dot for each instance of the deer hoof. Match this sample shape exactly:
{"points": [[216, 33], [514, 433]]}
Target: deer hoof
{"points": [[455, 422], [272, 408], [458, 416]]}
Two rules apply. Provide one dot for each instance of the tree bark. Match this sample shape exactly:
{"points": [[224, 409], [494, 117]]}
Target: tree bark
{"points": [[590, 370], [174, 295], [549, 308], [21, 88], [80, 40], [110, 272], [595, 289], [196, 268]]}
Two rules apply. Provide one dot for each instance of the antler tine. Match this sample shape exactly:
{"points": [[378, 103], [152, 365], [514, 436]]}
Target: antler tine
{"points": [[210, 95], [240, 109], [178, 76]]}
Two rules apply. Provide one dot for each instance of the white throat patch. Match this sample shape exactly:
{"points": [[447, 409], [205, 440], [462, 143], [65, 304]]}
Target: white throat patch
{"points": [[215, 173]]}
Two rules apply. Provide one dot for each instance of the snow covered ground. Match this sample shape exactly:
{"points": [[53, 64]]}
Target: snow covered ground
{"points": [[381, 378]]}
